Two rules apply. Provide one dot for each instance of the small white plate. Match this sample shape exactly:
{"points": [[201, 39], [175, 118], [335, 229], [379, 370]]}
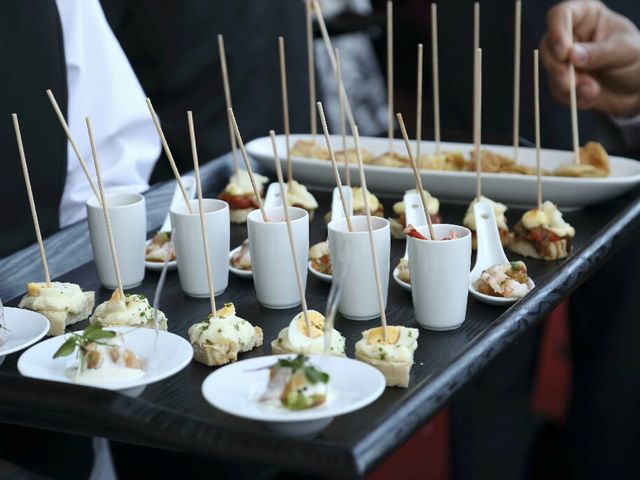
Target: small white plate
{"points": [[404, 285], [237, 271], [235, 388], [323, 277], [497, 301], [157, 266], [24, 328], [172, 355]]}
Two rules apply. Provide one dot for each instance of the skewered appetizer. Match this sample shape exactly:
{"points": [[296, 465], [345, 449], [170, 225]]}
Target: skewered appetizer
{"points": [[319, 257], [160, 248], [239, 195], [296, 339], [352, 157], [490, 162], [393, 357], [509, 280], [594, 162], [242, 258], [391, 159], [357, 198], [499, 210], [399, 222], [133, 310], [218, 340], [309, 149], [543, 233], [102, 356], [449, 161], [61, 303], [299, 196], [295, 384]]}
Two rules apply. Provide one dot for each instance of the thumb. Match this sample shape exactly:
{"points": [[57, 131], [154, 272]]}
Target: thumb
{"points": [[613, 52]]}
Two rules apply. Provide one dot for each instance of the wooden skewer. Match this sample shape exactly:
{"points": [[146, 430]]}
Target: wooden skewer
{"points": [[343, 127], [227, 99], [73, 143], [476, 26], [419, 103], [32, 203], [516, 82], [105, 211], [390, 73], [332, 156], [536, 96], [477, 127], [573, 99], [247, 165], [436, 74], [203, 228], [312, 70], [374, 257], [416, 174], [292, 243], [167, 151], [285, 107]]}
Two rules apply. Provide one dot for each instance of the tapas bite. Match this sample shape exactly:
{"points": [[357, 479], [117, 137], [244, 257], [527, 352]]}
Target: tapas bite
{"points": [[160, 248], [132, 310], [376, 208], [296, 338], [240, 196], [240, 258], [299, 196], [309, 149], [499, 210], [319, 258], [509, 280], [594, 162]]}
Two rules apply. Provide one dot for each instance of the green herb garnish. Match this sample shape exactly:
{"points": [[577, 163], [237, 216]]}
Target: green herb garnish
{"points": [[92, 334]]}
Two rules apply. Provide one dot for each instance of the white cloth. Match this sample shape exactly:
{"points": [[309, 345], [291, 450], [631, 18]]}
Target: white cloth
{"points": [[103, 86]]}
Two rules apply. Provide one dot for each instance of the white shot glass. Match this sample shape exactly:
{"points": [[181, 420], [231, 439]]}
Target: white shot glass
{"points": [[274, 277], [440, 276], [187, 240], [351, 261], [128, 216]]}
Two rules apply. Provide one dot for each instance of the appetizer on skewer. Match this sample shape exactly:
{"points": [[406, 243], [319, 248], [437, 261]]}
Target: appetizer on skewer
{"points": [[393, 357], [242, 258], [499, 209], [390, 159], [218, 339], [446, 160], [594, 162], [309, 149], [61, 303], [399, 222], [509, 280], [543, 234], [350, 153], [240, 196], [133, 310], [376, 208], [319, 257], [295, 338], [160, 248], [299, 196]]}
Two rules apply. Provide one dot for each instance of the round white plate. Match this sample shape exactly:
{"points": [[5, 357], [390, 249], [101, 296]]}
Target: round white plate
{"points": [[404, 285], [235, 389], [24, 328], [172, 355], [237, 271], [323, 277], [157, 266], [497, 301]]}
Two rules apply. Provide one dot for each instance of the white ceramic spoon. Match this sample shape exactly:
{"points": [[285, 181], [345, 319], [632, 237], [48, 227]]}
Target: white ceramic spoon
{"points": [[273, 198], [489, 253], [414, 215]]}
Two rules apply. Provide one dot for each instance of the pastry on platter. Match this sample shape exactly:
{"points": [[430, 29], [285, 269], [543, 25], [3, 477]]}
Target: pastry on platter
{"points": [[242, 258], [309, 149], [491, 161], [62, 303], [448, 161], [398, 222], [133, 310], [218, 340], [509, 280], [393, 357], [391, 159], [299, 196], [543, 233], [520, 169], [296, 339], [499, 210], [352, 157], [594, 163], [239, 195], [319, 257], [160, 248]]}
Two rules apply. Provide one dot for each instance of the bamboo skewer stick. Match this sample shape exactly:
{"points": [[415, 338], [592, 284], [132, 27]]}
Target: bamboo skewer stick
{"points": [[227, 100], [476, 26], [203, 228], [167, 151], [416, 174], [73, 143], [105, 210], [536, 96], [32, 203], [332, 156], [247, 165], [390, 73], [477, 127], [312, 70], [573, 99], [516, 82], [343, 127], [419, 103], [374, 257], [292, 243], [436, 74], [285, 107]]}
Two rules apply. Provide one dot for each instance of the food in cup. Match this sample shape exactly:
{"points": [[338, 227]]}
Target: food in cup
{"points": [[393, 356], [219, 339], [160, 248], [499, 210], [399, 222], [61, 303], [319, 258], [412, 231], [133, 310], [594, 162], [240, 196], [299, 196], [295, 338], [509, 280], [242, 258]]}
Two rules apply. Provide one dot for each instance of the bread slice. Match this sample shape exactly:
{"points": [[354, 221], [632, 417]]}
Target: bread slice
{"points": [[221, 353], [59, 320], [396, 374], [239, 215]]}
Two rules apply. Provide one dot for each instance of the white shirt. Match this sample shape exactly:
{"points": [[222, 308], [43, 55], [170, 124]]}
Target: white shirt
{"points": [[102, 85]]}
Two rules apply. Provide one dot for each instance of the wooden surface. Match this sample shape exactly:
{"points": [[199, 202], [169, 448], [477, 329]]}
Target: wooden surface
{"points": [[173, 413]]}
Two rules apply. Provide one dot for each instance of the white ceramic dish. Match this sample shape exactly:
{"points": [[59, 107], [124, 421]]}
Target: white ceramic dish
{"points": [[512, 189], [323, 277], [172, 355], [24, 328], [236, 271], [235, 388]]}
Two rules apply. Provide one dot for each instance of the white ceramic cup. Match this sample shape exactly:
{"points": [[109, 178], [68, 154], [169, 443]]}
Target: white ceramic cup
{"points": [[187, 240], [440, 277], [128, 216], [352, 263], [274, 277]]}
